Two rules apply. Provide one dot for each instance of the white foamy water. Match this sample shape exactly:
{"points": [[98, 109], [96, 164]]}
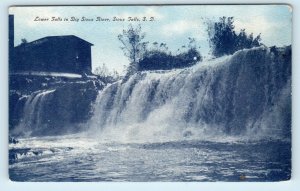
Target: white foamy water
{"points": [[234, 95], [32, 112]]}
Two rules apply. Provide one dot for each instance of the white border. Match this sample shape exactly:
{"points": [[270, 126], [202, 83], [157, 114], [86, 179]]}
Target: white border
{"points": [[6, 184]]}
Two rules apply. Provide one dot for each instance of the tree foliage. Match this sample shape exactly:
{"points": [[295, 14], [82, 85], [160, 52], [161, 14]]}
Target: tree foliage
{"points": [[156, 57], [223, 39], [102, 71], [159, 58], [133, 46], [105, 75]]}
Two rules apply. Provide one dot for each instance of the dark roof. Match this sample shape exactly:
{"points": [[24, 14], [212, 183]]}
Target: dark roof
{"points": [[47, 38]]}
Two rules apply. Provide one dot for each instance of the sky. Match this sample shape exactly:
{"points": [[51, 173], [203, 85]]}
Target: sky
{"points": [[171, 25]]}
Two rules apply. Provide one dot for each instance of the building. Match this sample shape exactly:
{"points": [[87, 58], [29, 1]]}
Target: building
{"points": [[67, 54]]}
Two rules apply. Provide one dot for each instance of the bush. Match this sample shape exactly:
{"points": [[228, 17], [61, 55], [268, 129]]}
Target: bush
{"points": [[156, 58], [159, 60]]}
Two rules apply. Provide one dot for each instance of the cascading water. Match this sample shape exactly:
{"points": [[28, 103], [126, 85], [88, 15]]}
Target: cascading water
{"points": [[247, 93], [33, 112], [62, 108]]}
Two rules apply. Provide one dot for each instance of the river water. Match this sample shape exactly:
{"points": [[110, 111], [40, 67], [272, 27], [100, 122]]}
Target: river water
{"points": [[82, 158]]}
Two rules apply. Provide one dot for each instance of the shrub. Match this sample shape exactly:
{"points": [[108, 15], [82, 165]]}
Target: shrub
{"points": [[158, 60]]}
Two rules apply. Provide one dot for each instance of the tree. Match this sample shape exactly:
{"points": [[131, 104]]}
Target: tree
{"points": [[102, 71], [224, 40], [106, 75], [189, 54], [133, 47]]}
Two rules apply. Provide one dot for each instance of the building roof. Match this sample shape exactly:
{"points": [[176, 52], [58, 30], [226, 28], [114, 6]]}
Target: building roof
{"points": [[51, 38]]}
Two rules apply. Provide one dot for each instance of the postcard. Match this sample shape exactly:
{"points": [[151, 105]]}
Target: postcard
{"points": [[150, 93]]}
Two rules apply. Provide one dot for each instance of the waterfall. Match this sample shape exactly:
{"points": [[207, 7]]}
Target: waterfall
{"points": [[34, 112], [247, 94]]}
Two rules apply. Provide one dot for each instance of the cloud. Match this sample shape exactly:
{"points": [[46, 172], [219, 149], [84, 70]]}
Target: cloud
{"points": [[254, 25], [272, 31], [182, 27], [151, 12]]}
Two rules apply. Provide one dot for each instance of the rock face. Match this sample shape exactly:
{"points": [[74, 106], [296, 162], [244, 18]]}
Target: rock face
{"points": [[50, 106]]}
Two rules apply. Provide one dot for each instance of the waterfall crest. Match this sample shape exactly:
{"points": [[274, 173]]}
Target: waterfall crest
{"points": [[247, 93]]}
